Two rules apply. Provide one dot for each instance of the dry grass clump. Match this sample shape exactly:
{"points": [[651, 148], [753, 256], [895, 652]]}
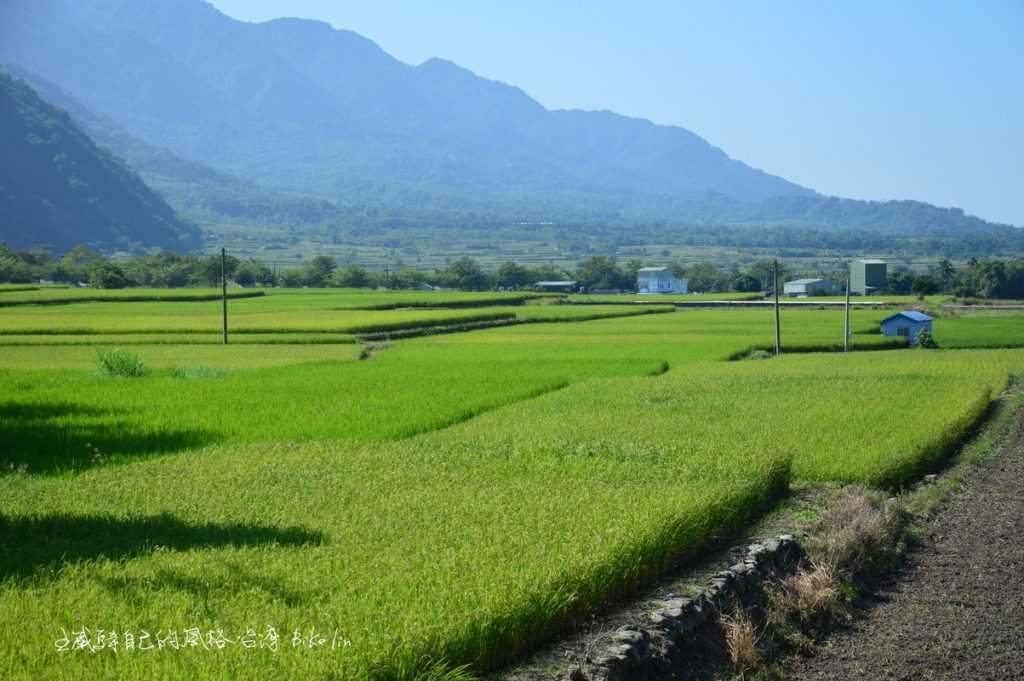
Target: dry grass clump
{"points": [[855, 531], [811, 595], [741, 640]]}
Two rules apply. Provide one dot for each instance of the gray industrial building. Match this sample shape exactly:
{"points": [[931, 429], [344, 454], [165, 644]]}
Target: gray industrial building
{"points": [[867, 276]]}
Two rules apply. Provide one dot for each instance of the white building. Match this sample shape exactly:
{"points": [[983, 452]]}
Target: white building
{"points": [[659, 280], [802, 288]]}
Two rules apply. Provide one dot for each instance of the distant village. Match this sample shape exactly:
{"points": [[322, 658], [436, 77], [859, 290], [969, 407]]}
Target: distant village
{"points": [[865, 277]]}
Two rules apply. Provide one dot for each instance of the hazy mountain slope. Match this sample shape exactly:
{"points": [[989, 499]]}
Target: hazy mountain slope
{"points": [[298, 105], [58, 189], [192, 188]]}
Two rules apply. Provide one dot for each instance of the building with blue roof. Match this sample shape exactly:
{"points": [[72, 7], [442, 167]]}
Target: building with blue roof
{"points": [[907, 324]]}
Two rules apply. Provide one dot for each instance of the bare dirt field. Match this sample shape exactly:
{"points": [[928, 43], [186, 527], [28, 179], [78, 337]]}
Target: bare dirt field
{"points": [[956, 610]]}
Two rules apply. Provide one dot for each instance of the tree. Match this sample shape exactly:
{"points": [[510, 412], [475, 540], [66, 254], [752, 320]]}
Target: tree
{"points": [[990, 279], [513, 276], [762, 269], [898, 283], [107, 275], [291, 278], [319, 270], [745, 282], [352, 276], [630, 269], [407, 278], [546, 273], [946, 272], [466, 275], [602, 272], [13, 269], [705, 278], [925, 285], [211, 269], [245, 275]]}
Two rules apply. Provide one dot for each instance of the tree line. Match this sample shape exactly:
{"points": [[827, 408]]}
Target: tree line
{"points": [[989, 278]]}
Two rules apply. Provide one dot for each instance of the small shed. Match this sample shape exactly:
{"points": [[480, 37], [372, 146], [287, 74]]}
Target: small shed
{"points": [[803, 288], [556, 286], [907, 325], [659, 280]]}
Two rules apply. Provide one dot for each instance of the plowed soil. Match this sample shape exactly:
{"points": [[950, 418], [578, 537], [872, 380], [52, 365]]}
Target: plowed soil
{"points": [[956, 611]]}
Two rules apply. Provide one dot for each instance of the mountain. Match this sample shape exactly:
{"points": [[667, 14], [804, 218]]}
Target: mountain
{"points": [[293, 107], [192, 188], [59, 189], [298, 105]]}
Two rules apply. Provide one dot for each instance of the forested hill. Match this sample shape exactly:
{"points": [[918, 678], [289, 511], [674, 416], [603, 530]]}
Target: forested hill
{"points": [[297, 105], [193, 189], [322, 126], [59, 189]]}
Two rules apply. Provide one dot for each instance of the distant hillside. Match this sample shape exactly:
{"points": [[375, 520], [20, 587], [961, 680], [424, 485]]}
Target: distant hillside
{"points": [[297, 105], [301, 108], [58, 189], [192, 188]]}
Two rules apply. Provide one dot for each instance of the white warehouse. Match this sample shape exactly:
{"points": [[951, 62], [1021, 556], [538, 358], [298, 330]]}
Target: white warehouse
{"points": [[802, 288], [659, 280]]}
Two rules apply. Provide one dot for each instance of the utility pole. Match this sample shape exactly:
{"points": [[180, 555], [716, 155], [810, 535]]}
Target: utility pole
{"points": [[775, 286], [224, 289], [846, 320]]}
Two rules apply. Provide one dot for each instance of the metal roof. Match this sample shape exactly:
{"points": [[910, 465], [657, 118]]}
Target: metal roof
{"points": [[803, 281], [652, 269], [555, 283], [872, 262], [912, 315]]}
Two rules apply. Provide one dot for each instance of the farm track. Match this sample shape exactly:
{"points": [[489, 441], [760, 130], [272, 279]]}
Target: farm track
{"points": [[956, 611]]}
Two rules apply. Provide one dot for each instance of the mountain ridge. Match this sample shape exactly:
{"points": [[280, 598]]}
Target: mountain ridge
{"points": [[59, 189], [360, 108], [297, 108]]}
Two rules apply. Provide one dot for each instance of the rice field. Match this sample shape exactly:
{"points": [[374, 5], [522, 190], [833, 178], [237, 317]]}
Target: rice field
{"points": [[981, 330], [314, 311], [396, 510]]}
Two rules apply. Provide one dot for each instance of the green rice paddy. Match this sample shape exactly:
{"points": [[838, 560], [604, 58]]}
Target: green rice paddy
{"points": [[425, 503]]}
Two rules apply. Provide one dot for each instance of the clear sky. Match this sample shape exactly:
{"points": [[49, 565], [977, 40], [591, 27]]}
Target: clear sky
{"points": [[915, 99]]}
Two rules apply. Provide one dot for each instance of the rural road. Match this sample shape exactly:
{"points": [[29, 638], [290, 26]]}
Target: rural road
{"points": [[957, 611]]}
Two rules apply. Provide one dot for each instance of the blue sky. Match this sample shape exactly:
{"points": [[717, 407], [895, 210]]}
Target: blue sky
{"points": [[874, 100]]}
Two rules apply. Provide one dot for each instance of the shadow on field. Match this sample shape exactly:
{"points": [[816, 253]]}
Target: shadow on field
{"points": [[211, 587], [32, 544], [62, 436]]}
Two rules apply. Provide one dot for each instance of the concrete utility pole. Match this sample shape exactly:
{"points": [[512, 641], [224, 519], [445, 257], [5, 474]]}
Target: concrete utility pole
{"points": [[224, 289], [775, 286], [846, 320]]}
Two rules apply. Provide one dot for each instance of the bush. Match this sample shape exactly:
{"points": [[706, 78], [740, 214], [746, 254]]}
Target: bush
{"points": [[121, 363], [926, 341]]}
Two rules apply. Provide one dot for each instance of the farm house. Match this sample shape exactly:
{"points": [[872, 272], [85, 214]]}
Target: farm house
{"points": [[907, 325], [802, 288], [659, 280]]}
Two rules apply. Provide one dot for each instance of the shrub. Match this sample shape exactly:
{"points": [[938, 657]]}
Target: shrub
{"points": [[926, 341], [119, 362]]}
